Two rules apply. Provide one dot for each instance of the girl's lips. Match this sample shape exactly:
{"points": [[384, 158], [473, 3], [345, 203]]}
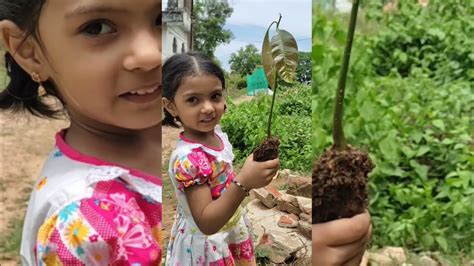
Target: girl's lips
{"points": [[208, 120], [143, 95]]}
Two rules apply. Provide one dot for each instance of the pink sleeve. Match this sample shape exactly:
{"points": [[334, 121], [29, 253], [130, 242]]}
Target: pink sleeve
{"points": [[194, 168]]}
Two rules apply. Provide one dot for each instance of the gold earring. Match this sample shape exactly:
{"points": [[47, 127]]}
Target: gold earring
{"points": [[41, 90]]}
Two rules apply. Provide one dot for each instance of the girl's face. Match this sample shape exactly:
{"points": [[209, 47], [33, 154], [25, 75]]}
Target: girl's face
{"points": [[199, 103], [104, 56]]}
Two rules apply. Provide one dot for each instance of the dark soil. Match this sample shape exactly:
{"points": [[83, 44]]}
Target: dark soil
{"points": [[339, 183], [268, 150]]}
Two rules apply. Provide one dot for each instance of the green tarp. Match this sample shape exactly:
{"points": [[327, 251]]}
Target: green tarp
{"points": [[257, 82]]}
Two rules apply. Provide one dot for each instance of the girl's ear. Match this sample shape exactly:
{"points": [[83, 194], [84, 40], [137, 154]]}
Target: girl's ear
{"points": [[26, 52], [169, 106]]}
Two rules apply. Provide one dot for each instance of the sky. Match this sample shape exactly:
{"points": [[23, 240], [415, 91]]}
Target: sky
{"points": [[251, 18]]}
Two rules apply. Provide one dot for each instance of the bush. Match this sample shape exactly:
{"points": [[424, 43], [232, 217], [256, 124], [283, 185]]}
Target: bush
{"points": [[246, 126], [432, 41], [413, 113]]}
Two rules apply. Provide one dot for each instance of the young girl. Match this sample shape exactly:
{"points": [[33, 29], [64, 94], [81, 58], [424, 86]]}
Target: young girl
{"points": [[97, 200], [209, 226]]}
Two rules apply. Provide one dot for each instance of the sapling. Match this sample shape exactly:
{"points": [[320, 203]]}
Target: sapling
{"points": [[339, 177], [279, 60]]}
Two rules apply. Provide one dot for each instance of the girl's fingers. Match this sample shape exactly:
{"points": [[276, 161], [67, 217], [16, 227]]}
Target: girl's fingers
{"points": [[355, 249], [342, 231]]}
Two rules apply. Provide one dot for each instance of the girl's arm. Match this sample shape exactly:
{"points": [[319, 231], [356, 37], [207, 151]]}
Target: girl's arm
{"points": [[211, 215]]}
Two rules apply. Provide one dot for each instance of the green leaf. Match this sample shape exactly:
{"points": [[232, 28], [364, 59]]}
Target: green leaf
{"points": [[267, 59], [285, 55], [439, 124], [427, 240], [421, 170], [389, 148], [442, 242], [422, 150]]}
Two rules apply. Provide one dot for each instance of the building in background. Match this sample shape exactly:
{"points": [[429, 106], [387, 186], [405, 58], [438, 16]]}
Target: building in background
{"points": [[177, 27]]}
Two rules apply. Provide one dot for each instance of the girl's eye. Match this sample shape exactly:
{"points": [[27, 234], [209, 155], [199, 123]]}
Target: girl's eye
{"points": [[217, 96], [97, 28], [192, 100]]}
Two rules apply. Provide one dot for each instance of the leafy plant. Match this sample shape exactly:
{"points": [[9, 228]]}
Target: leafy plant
{"points": [[296, 148], [417, 129], [279, 59]]}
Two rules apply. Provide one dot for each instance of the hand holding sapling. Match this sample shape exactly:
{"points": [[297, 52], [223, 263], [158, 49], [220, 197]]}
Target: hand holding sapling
{"points": [[339, 176]]}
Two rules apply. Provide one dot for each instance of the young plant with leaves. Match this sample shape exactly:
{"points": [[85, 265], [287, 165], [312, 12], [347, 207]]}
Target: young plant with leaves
{"points": [[279, 59], [339, 177]]}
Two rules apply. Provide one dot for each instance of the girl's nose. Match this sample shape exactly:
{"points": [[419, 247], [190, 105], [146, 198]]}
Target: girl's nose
{"points": [[207, 107], [145, 51]]}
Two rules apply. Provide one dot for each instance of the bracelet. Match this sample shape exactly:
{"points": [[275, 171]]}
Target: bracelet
{"points": [[247, 191]]}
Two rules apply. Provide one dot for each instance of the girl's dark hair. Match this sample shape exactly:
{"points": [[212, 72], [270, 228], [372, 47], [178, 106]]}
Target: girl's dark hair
{"points": [[180, 66], [21, 93]]}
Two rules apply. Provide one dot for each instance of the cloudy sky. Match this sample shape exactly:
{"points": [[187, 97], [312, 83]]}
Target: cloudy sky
{"points": [[251, 18]]}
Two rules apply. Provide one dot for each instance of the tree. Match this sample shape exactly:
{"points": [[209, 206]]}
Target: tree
{"points": [[209, 20], [245, 60], [304, 70]]}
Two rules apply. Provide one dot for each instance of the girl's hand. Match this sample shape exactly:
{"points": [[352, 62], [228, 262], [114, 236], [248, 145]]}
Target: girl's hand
{"points": [[257, 174], [342, 241]]}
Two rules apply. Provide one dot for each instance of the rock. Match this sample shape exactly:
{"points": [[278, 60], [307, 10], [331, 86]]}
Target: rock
{"points": [[299, 186], [273, 191], [288, 203], [288, 221], [305, 204], [365, 259], [277, 243], [427, 261], [305, 217], [380, 260], [267, 195], [397, 254], [285, 173], [305, 228]]}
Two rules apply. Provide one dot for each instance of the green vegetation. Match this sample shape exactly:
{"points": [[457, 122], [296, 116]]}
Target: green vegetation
{"points": [[409, 103], [244, 125]]}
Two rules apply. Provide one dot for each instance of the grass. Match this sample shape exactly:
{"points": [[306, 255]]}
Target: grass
{"points": [[11, 240]]}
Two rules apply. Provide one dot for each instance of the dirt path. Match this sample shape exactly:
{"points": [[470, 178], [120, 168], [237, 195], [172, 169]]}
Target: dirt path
{"points": [[25, 143]]}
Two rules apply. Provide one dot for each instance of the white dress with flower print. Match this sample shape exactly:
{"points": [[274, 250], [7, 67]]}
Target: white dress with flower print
{"points": [[193, 163]]}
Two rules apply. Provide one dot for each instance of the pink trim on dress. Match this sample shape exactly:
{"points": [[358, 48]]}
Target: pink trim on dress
{"points": [[77, 156], [220, 148]]}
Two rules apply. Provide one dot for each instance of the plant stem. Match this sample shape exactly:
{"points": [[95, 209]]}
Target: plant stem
{"points": [[269, 129], [338, 130], [269, 132]]}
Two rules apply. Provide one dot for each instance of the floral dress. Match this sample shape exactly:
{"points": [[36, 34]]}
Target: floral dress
{"points": [[197, 164], [84, 211]]}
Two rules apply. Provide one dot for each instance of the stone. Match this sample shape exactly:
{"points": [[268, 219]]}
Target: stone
{"points": [[305, 204], [305, 217], [276, 243], [304, 228], [267, 195], [288, 221], [365, 259], [299, 186], [285, 173], [380, 260], [288, 203], [273, 191], [397, 254], [427, 261]]}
